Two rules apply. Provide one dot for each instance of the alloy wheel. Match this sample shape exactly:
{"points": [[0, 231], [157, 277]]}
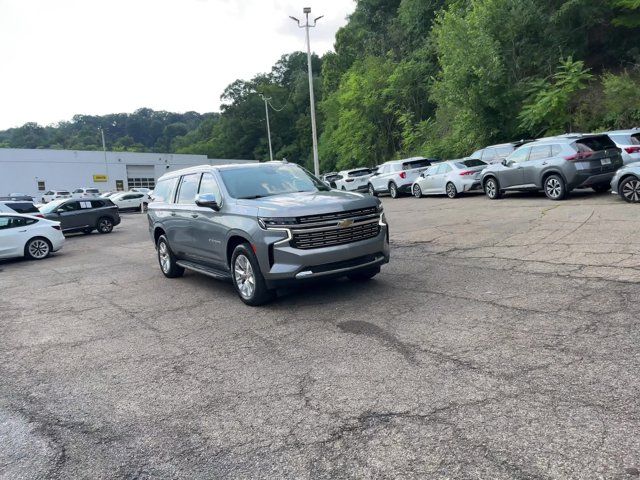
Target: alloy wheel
{"points": [[105, 225], [372, 191], [451, 190], [164, 257], [39, 249], [631, 190], [490, 188], [554, 188], [393, 190], [244, 277], [417, 192]]}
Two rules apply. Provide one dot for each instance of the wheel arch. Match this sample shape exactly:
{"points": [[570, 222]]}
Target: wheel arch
{"points": [[157, 233], [552, 171], [37, 237], [235, 239]]}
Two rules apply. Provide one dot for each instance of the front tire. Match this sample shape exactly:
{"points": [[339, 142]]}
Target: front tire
{"points": [[372, 191], [417, 191], [167, 259], [247, 277], [393, 190], [555, 188], [364, 275], [105, 225], [492, 189], [37, 248], [452, 191], [629, 190]]}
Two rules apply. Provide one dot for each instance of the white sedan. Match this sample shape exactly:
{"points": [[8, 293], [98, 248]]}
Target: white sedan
{"points": [[129, 200], [27, 236], [450, 178]]}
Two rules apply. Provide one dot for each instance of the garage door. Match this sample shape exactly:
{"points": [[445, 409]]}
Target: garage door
{"points": [[141, 176]]}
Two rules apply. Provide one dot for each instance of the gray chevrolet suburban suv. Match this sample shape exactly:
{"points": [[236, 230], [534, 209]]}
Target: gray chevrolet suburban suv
{"points": [[264, 226]]}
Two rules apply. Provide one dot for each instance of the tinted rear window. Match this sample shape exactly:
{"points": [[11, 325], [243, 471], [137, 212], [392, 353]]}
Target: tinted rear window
{"points": [[64, 193], [93, 190], [416, 164], [472, 162], [595, 144], [97, 203], [23, 207], [360, 173]]}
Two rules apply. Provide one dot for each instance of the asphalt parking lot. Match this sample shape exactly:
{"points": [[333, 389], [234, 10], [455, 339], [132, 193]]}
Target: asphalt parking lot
{"points": [[500, 342]]}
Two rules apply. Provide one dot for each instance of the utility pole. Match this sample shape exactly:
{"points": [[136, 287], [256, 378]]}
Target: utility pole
{"points": [[307, 26], [104, 149], [266, 111]]}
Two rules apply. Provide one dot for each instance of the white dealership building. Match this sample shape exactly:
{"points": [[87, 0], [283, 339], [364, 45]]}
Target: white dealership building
{"points": [[34, 172]]}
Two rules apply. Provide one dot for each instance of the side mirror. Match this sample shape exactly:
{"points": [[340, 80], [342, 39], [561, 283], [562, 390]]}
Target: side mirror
{"points": [[505, 162], [207, 200]]}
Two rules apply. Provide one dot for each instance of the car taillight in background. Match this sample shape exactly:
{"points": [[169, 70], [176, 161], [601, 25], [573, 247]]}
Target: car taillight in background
{"points": [[403, 174], [39, 215], [578, 156], [632, 149], [467, 172]]}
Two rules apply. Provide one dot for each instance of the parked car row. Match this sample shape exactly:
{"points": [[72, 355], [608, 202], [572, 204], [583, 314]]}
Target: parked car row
{"points": [[555, 165]]}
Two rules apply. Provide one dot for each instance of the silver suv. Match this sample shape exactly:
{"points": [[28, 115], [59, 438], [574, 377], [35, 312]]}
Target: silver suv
{"points": [[264, 226], [556, 165]]}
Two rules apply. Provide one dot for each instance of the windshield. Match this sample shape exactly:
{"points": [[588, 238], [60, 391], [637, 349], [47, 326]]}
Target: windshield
{"points": [[93, 190], [269, 179], [51, 206]]}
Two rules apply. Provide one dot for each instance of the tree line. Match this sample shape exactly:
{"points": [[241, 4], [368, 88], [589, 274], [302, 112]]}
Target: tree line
{"points": [[409, 77]]}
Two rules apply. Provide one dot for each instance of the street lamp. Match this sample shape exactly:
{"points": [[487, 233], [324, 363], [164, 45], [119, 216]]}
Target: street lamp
{"points": [[266, 111], [314, 133]]}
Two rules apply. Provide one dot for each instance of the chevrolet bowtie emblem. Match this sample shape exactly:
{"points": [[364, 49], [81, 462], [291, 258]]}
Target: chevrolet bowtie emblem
{"points": [[345, 223]]}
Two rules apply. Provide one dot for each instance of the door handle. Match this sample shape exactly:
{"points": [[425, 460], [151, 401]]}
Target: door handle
{"points": [[544, 163], [194, 215], [21, 231]]}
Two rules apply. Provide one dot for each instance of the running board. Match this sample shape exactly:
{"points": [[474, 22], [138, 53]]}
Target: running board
{"points": [[209, 271]]}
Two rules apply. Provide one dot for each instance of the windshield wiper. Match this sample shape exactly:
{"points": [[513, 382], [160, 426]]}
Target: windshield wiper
{"points": [[253, 197]]}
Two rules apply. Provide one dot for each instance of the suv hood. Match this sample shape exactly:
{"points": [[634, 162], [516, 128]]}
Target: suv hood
{"points": [[310, 203]]}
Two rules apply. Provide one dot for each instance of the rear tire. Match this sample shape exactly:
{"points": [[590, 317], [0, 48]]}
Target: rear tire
{"points": [[492, 188], [452, 191], [417, 191], [247, 277], [364, 275], [629, 190], [555, 188], [393, 190], [167, 259], [105, 225], [37, 248]]}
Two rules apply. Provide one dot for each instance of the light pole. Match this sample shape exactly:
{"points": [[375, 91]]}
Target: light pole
{"points": [[314, 133], [104, 149], [266, 111]]}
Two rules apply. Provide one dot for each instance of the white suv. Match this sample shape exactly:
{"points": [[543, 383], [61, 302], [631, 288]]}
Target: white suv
{"points": [[55, 195], [629, 142], [86, 193], [397, 177], [355, 180]]}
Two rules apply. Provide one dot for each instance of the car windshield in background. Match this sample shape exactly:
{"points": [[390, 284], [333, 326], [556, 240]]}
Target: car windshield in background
{"points": [[472, 162], [64, 193], [269, 180], [93, 190], [416, 164], [360, 173], [595, 144], [51, 206]]}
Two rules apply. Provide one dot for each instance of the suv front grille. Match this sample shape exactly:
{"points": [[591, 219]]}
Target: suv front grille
{"points": [[335, 235], [337, 216]]}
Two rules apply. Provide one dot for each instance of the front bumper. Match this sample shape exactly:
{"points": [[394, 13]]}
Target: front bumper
{"points": [[282, 264]]}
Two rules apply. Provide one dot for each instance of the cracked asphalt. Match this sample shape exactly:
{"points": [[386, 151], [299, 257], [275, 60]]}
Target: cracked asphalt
{"points": [[501, 342]]}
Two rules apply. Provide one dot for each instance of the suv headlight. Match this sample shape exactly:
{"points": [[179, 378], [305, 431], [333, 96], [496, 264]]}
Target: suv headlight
{"points": [[276, 222], [380, 208]]}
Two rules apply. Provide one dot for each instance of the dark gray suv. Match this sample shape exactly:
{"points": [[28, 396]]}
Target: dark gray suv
{"points": [[76, 215], [264, 226], [556, 165]]}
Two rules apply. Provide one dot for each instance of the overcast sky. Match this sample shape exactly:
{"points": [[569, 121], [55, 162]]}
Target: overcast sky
{"points": [[62, 57]]}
